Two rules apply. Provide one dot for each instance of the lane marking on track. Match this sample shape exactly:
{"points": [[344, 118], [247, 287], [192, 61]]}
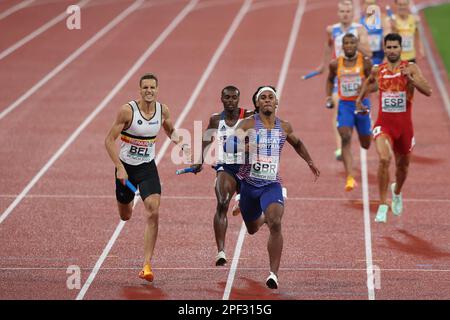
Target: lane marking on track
{"points": [[281, 80], [38, 31], [99, 108], [234, 263], [367, 231], [15, 8], [215, 58], [179, 197], [221, 269], [24, 97]]}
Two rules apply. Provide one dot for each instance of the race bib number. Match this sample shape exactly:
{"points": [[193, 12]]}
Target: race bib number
{"points": [[264, 167], [350, 85], [375, 42], [407, 42], [393, 101], [376, 131]]}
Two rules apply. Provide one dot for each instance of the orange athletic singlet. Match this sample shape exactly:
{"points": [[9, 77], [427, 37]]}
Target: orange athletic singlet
{"points": [[394, 115], [350, 78]]}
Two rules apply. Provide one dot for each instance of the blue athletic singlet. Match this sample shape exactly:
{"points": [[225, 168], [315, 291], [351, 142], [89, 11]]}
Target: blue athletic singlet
{"points": [[375, 39]]}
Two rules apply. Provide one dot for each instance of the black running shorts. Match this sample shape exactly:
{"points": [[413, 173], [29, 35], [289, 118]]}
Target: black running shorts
{"points": [[145, 176]]}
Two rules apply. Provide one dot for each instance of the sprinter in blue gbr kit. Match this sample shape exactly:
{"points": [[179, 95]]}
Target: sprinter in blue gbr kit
{"points": [[261, 192], [137, 123]]}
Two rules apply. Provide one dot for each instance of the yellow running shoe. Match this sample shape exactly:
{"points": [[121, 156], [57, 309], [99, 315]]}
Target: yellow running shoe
{"points": [[350, 184], [146, 273]]}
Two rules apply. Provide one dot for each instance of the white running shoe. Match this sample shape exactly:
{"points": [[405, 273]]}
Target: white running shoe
{"points": [[272, 281], [382, 213], [221, 259], [397, 203]]}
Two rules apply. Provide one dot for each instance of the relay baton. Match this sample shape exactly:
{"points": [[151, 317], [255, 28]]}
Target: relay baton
{"points": [[310, 75], [362, 111], [130, 186], [185, 170]]}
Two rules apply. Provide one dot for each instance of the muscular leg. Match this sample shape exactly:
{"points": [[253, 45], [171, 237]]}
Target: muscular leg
{"points": [[125, 210], [401, 172], [225, 188], [151, 204], [274, 213], [384, 150], [346, 138], [364, 141], [272, 217], [253, 226]]}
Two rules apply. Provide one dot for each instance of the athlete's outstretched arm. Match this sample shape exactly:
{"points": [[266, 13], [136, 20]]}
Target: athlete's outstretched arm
{"points": [[332, 73], [123, 120], [416, 79], [299, 147], [367, 70], [327, 51]]}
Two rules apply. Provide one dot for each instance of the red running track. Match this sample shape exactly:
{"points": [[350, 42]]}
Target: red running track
{"points": [[68, 217]]}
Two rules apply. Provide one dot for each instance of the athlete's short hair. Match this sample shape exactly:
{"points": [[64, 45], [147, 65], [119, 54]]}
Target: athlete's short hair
{"points": [[345, 2], [349, 35], [231, 88], [148, 76], [393, 37]]}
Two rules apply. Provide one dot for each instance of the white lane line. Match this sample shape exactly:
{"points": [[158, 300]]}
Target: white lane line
{"points": [[367, 231], [38, 31], [71, 58], [15, 8], [280, 84], [100, 261], [432, 61], [234, 263], [290, 47], [100, 107], [236, 22], [220, 270], [217, 54]]}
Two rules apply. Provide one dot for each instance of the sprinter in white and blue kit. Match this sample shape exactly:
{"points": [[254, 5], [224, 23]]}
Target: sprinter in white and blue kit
{"points": [[376, 30], [261, 197], [226, 165], [138, 123]]}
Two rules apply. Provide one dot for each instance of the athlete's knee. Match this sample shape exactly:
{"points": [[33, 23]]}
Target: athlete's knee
{"points": [[346, 138], [385, 160], [125, 211], [152, 215], [151, 208], [403, 167], [252, 230], [125, 216], [222, 206], [274, 224], [365, 144]]}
